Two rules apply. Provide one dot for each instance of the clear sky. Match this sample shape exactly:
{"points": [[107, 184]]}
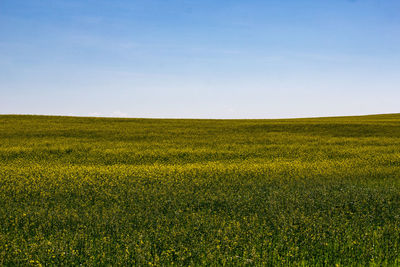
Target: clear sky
{"points": [[200, 58]]}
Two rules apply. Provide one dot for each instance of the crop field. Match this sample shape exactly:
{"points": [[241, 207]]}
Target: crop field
{"points": [[107, 191]]}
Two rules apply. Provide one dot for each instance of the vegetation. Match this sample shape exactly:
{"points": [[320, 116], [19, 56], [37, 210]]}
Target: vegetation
{"points": [[98, 191]]}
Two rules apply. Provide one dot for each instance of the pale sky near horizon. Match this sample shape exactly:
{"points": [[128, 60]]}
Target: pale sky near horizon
{"points": [[200, 58]]}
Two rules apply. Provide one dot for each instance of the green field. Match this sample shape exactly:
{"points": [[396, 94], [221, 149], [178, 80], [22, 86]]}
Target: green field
{"points": [[107, 191]]}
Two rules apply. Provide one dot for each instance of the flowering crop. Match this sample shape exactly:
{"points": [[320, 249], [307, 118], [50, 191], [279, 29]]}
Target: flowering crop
{"points": [[98, 191]]}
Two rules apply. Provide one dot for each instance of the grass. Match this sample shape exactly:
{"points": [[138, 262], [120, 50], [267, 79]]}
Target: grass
{"points": [[98, 191]]}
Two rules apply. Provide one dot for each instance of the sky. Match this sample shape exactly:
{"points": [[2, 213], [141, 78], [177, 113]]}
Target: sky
{"points": [[200, 58]]}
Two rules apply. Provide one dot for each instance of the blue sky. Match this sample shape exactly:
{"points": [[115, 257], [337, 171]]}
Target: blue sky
{"points": [[200, 58]]}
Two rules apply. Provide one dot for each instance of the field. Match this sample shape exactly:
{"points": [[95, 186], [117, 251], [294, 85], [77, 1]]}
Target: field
{"points": [[107, 191]]}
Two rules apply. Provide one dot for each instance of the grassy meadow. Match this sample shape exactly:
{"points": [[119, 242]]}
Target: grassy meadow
{"points": [[108, 191]]}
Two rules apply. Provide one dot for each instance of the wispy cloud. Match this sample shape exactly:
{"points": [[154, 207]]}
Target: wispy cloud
{"points": [[99, 42]]}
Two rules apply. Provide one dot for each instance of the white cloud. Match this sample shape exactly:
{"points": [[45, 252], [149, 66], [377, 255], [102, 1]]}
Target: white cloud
{"points": [[119, 113]]}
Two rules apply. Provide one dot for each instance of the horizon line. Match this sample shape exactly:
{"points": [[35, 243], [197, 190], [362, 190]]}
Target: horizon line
{"points": [[194, 118]]}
